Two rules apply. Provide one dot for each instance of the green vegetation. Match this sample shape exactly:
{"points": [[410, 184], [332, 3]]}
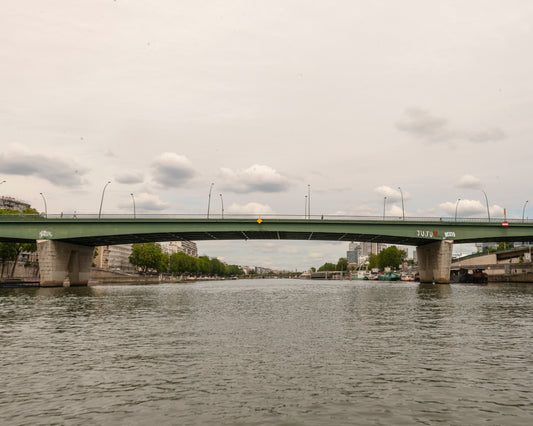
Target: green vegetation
{"points": [[390, 257], [149, 257], [9, 252]]}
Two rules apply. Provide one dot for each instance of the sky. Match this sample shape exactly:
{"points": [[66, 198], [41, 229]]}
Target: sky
{"points": [[269, 101]]}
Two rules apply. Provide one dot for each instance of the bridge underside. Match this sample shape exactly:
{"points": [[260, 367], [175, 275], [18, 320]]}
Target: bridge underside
{"points": [[242, 235]]}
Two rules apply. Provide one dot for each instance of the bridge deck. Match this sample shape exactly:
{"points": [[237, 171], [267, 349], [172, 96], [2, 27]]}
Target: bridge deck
{"points": [[94, 231]]}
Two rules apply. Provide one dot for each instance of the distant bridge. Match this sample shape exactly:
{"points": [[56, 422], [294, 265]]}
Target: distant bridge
{"points": [[65, 237]]}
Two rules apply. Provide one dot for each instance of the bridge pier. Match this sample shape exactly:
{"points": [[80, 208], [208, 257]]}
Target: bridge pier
{"points": [[59, 260], [434, 262]]}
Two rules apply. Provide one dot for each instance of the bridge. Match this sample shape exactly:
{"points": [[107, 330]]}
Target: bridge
{"points": [[66, 244]]}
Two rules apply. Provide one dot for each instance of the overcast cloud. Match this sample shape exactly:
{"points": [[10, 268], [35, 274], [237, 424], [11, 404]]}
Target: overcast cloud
{"points": [[256, 178], [171, 169], [53, 168], [271, 101]]}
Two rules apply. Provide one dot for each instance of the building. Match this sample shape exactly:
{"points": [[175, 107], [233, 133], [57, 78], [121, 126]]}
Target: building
{"points": [[354, 253], [187, 247], [9, 203], [114, 258]]}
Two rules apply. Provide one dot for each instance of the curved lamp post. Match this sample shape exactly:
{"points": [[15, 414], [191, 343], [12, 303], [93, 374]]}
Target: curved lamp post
{"points": [[523, 210], [222, 203], [45, 207], [102, 200], [134, 213], [487, 202], [456, 205], [309, 201], [209, 199], [403, 211]]}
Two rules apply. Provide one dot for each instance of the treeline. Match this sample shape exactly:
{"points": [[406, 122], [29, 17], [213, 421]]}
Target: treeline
{"points": [[150, 257], [9, 252], [390, 257]]}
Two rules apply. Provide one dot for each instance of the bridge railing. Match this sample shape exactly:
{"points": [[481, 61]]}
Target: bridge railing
{"points": [[119, 216]]}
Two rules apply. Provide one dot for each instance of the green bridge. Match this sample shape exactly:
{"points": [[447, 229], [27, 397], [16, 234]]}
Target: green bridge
{"points": [[66, 244]]}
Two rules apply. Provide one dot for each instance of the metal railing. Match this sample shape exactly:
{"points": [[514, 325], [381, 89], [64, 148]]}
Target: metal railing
{"points": [[228, 217]]}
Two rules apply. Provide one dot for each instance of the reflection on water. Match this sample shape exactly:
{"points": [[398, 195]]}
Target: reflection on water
{"points": [[267, 352]]}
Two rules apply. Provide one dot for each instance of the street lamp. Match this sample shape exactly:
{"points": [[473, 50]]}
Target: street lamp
{"points": [[487, 202], [222, 202], [209, 199], [134, 213], [403, 211], [384, 201], [456, 204], [45, 208], [102, 200], [523, 210], [309, 201], [305, 208]]}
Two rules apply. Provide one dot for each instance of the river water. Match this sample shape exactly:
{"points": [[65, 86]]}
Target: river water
{"points": [[267, 352]]}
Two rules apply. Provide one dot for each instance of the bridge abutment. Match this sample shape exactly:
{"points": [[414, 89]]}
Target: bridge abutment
{"points": [[434, 262], [59, 260]]}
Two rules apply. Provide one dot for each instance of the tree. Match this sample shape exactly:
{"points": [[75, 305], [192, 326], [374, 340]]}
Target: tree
{"points": [[391, 257], [148, 256], [342, 264], [327, 267], [11, 251]]}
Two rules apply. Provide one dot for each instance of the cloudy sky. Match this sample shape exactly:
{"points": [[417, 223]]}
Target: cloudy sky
{"points": [[263, 98]]}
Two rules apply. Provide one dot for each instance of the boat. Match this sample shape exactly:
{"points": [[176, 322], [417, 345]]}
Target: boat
{"points": [[407, 277], [388, 276], [18, 282]]}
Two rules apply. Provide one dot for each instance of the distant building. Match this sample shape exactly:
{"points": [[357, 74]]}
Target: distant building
{"points": [[114, 258], [10, 203], [188, 247], [354, 253]]}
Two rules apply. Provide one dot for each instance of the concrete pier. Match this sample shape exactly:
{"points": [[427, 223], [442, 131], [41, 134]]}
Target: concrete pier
{"points": [[59, 260], [434, 262]]}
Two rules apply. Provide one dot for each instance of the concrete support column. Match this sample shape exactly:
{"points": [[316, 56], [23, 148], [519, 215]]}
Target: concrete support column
{"points": [[59, 260], [434, 262]]}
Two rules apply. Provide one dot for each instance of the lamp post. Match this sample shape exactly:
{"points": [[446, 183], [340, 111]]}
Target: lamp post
{"points": [[523, 210], [45, 208], [305, 208], [209, 199], [102, 200], [309, 201], [487, 202], [384, 201], [222, 203], [134, 213], [403, 211], [456, 204]]}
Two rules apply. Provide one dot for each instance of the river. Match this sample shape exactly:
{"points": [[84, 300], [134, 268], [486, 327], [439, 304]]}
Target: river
{"points": [[267, 352]]}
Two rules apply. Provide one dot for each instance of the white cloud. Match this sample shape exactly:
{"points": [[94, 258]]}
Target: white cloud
{"points": [[432, 129], [391, 193], [257, 178], [250, 208], [171, 169], [129, 177], [469, 181], [61, 171], [470, 208], [146, 202]]}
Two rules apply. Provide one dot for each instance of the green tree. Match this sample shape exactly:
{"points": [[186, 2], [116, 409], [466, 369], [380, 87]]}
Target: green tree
{"points": [[391, 257], [11, 251], [373, 261], [327, 267], [148, 256], [342, 264]]}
